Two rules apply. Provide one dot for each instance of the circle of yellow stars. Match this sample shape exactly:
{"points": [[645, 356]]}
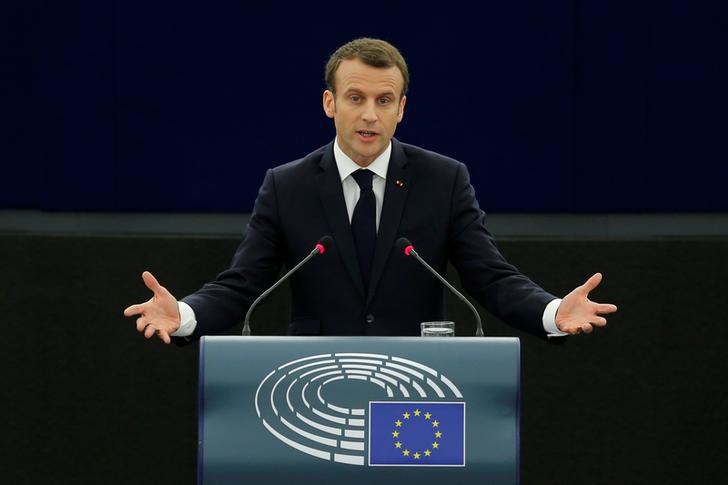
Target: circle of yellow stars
{"points": [[417, 455]]}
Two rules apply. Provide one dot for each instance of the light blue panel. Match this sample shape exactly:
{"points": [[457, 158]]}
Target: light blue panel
{"points": [[281, 409]]}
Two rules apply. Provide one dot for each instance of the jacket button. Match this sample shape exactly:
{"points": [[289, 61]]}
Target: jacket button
{"points": [[369, 318]]}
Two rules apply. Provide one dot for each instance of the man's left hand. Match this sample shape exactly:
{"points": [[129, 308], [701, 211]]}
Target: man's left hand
{"points": [[578, 314]]}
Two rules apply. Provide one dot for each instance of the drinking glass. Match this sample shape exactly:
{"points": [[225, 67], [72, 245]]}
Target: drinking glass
{"points": [[437, 329]]}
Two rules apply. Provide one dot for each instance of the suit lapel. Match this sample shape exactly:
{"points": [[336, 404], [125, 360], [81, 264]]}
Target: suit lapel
{"points": [[395, 195], [328, 183]]}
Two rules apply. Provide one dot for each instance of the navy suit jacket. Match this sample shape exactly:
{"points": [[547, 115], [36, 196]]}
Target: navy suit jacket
{"points": [[428, 199]]}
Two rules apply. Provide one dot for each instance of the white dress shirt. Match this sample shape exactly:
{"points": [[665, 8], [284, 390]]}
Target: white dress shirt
{"points": [[346, 167]]}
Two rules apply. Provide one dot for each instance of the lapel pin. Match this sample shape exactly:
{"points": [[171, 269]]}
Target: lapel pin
{"points": [[399, 183]]}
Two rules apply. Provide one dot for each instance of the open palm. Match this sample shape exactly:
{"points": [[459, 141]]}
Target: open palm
{"points": [[577, 313], [159, 315]]}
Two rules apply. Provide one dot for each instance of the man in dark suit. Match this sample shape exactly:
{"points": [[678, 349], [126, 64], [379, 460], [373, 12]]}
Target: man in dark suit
{"points": [[366, 189]]}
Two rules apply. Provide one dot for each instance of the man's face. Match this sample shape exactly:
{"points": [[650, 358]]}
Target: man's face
{"points": [[366, 108]]}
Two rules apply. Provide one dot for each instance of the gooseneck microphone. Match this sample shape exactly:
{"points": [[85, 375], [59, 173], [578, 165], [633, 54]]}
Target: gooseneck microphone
{"points": [[320, 248], [404, 245]]}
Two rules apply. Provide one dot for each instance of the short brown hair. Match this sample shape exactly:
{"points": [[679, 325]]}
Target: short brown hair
{"points": [[373, 52]]}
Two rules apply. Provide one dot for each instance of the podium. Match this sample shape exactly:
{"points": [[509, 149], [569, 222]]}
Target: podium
{"points": [[358, 410]]}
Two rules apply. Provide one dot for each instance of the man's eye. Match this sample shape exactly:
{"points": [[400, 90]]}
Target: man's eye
{"points": [[384, 100], [354, 98]]}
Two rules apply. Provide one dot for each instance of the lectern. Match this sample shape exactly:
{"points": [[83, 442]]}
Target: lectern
{"points": [[358, 410]]}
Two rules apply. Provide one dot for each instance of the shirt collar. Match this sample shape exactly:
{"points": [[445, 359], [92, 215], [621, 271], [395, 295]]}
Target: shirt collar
{"points": [[347, 166]]}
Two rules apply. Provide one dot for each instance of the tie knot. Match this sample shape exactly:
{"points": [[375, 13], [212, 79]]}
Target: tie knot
{"points": [[363, 178]]}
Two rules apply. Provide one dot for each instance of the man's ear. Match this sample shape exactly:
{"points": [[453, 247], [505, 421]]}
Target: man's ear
{"points": [[402, 102], [329, 104]]}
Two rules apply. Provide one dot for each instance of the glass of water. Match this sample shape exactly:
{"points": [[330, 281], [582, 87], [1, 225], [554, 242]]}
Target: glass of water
{"points": [[437, 329]]}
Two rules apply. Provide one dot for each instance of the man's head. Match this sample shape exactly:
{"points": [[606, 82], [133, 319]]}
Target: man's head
{"points": [[372, 52], [367, 80]]}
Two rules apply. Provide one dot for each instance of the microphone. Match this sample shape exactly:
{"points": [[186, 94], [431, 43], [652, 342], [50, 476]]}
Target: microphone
{"points": [[404, 245], [320, 248]]}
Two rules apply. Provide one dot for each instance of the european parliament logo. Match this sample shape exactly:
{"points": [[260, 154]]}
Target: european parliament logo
{"points": [[407, 413]]}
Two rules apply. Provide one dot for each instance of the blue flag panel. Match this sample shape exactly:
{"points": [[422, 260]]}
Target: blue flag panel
{"points": [[417, 433]]}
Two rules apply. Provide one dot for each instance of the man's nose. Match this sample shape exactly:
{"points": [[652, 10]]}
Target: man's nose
{"points": [[370, 113]]}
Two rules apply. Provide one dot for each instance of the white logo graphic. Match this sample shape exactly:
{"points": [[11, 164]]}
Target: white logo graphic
{"points": [[294, 410]]}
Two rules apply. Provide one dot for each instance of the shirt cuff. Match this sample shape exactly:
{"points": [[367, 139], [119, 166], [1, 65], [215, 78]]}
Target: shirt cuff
{"points": [[549, 319], [187, 321]]}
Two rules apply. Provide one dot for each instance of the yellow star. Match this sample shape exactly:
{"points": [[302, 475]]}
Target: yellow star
{"points": [[417, 456], [398, 423], [417, 412], [406, 415], [395, 434], [435, 445], [435, 424], [438, 435], [405, 452], [428, 452], [398, 444], [428, 415]]}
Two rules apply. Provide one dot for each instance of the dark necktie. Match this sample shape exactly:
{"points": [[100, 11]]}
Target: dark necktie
{"points": [[364, 223]]}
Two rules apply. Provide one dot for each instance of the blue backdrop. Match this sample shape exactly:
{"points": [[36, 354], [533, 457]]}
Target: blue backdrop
{"points": [[570, 106]]}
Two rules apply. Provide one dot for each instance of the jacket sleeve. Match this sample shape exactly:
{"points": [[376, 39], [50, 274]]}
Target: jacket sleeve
{"points": [[222, 303], [486, 275]]}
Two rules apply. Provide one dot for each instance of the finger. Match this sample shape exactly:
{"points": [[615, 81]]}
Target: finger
{"points": [[151, 282], [592, 282], [598, 321], [134, 310], [566, 327], [587, 328], [141, 324], [149, 331], [164, 336], [571, 329], [606, 308]]}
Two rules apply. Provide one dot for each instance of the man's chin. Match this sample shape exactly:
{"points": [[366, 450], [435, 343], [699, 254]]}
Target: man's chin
{"points": [[368, 153]]}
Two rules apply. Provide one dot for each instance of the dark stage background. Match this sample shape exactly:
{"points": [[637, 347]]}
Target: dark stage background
{"points": [[571, 106], [88, 401]]}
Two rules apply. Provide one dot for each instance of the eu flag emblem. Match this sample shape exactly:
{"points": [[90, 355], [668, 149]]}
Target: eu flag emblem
{"points": [[417, 433]]}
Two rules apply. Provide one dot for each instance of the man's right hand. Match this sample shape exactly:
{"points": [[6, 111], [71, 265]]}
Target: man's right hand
{"points": [[159, 315]]}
